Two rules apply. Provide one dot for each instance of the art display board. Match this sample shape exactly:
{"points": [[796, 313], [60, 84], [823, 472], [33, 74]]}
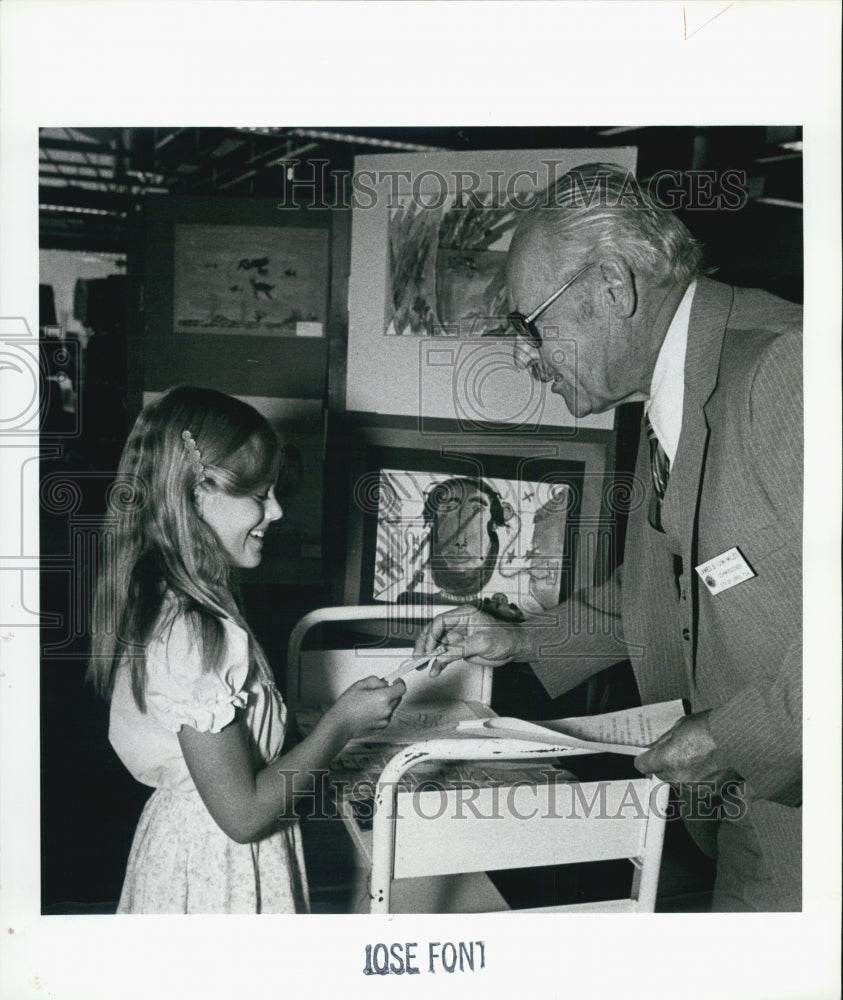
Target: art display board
{"points": [[417, 503], [234, 297], [427, 301]]}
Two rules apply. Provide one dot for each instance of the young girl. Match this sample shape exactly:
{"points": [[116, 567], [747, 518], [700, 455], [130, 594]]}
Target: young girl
{"points": [[194, 711]]}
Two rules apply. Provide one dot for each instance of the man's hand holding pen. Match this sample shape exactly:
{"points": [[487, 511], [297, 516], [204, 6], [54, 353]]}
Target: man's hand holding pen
{"points": [[469, 634]]}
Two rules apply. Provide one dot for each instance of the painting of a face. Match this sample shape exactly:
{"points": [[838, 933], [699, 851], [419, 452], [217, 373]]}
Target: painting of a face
{"points": [[440, 537], [460, 538], [463, 541]]}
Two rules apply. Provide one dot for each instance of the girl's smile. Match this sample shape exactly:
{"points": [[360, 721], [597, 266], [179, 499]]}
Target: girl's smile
{"points": [[240, 523]]}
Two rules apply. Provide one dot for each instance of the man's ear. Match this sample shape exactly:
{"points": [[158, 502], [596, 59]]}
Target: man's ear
{"points": [[619, 287]]}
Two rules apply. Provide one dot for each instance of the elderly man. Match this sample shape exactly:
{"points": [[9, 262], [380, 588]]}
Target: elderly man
{"points": [[613, 307]]}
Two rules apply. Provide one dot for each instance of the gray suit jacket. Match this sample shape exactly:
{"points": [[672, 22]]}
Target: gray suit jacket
{"points": [[736, 481]]}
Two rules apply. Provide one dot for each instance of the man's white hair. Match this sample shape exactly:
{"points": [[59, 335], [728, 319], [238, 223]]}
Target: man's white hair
{"points": [[599, 209]]}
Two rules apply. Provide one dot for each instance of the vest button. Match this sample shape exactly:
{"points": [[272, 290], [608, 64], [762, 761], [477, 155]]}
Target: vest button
{"points": [[686, 634]]}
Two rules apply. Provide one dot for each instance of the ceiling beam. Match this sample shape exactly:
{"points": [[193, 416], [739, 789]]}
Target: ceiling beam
{"points": [[71, 146], [76, 197]]}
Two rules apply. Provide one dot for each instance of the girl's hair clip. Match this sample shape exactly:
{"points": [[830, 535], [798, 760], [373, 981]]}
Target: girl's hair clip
{"points": [[194, 456]]}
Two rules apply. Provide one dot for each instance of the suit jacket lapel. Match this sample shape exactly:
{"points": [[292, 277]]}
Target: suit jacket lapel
{"points": [[709, 316]]}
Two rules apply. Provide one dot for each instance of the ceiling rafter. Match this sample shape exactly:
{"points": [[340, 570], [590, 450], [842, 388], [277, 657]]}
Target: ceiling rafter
{"points": [[270, 159], [85, 169], [86, 157]]}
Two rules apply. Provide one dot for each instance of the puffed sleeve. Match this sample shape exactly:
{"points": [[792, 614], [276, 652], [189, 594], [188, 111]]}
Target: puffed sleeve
{"points": [[180, 692]]}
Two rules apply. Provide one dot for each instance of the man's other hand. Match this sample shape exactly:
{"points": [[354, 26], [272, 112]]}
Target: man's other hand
{"points": [[686, 753]]}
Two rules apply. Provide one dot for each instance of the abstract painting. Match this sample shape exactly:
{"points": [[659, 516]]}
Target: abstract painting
{"points": [[446, 268], [426, 288]]}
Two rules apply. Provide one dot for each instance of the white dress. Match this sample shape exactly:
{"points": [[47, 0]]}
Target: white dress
{"points": [[181, 861]]}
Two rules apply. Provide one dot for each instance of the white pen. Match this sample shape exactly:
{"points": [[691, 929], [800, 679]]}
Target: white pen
{"points": [[413, 663]]}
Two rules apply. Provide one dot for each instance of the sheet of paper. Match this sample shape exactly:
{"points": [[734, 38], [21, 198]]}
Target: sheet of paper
{"points": [[637, 727], [428, 721], [628, 732]]}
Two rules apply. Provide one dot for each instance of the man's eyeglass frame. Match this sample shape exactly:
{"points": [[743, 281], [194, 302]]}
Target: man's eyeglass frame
{"points": [[525, 326]]}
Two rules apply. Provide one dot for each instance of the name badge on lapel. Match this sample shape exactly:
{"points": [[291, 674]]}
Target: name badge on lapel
{"points": [[725, 571]]}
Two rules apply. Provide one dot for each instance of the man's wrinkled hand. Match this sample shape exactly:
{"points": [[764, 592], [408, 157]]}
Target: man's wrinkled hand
{"points": [[469, 634], [686, 753]]}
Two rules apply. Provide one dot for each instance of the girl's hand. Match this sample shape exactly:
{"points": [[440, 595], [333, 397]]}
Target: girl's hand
{"points": [[368, 704]]}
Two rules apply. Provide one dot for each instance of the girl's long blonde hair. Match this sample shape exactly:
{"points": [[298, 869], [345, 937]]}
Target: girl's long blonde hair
{"points": [[154, 543]]}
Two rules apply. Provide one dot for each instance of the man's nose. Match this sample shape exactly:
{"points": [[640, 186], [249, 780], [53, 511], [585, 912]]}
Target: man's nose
{"points": [[527, 357], [523, 353]]}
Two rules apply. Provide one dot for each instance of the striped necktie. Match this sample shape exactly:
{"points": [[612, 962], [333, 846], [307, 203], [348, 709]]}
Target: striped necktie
{"points": [[660, 470]]}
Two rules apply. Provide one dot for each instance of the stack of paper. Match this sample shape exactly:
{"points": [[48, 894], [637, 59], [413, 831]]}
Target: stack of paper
{"points": [[629, 732]]}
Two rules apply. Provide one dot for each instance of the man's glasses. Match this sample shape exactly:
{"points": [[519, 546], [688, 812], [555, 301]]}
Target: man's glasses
{"points": [[525, 326]]}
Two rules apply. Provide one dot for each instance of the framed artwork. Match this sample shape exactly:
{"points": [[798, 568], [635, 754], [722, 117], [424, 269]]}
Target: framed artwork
{"points": [[452, 519], [446, 537], [427, 294], [264, 281]]}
